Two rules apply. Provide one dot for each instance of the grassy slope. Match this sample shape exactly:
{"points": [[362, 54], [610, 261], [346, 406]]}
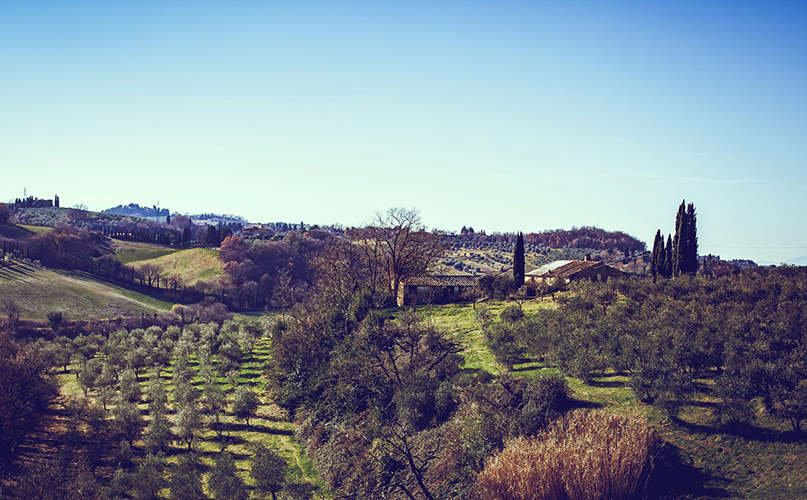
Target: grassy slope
{"points": [[14, 232], [768, 463], [39, 290], [460, 321], [37, 229], [191, 265], [134, 251]]}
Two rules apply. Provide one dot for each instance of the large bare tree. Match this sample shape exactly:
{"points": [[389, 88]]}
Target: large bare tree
{"points": [[397, 245]]}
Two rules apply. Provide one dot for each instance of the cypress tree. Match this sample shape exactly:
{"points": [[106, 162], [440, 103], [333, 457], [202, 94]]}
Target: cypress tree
{"points": [[679, 241], [668, 258], [685, 245], [518, 261], [691, 253], [657, 257]]}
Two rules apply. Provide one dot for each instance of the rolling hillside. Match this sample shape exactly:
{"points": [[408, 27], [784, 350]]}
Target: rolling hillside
{"points": [[192, 265], [38, 291], [134, 251]]}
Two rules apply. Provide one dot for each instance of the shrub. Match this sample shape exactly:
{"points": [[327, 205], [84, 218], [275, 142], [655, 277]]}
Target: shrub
{"points": [[503, 344], [511, 314], [588, 454], [542, 400]]}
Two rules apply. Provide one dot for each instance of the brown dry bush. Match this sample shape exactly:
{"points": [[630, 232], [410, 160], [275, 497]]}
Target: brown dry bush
{"points": [[586, 455]]}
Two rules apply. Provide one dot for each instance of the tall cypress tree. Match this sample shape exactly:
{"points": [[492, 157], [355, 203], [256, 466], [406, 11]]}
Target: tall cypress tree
{"points": [[518, 261], [668, 258], [679, 241], [656, 259], [690, 260], [685, 245]]}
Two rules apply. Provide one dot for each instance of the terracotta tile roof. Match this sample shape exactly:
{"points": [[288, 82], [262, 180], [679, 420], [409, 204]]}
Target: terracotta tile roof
{"points": [[546, 268], [565, 269], [443, 280], [575, 267]]}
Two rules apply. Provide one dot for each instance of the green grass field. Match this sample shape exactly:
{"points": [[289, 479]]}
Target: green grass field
{"points": [[192, 265], [39, 291], [460, 320], [135, 251]]}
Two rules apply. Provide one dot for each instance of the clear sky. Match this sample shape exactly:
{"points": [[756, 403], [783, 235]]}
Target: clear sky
{"points": [[505, 116]]}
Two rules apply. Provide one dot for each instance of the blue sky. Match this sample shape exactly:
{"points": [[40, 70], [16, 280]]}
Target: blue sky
{"points": [[506, 116]]}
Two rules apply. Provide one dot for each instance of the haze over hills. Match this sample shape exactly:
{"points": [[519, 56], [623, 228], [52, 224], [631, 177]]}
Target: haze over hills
{"points": [[154, 212], [584, 237]]}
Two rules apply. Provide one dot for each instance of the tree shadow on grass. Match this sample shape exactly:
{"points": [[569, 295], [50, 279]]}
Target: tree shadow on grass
{"points": [[226, 438], [675, 476], [603, 384], [575, 404], [743, 430], [17, 269], [213, 454], [255, 427], [528, 368]]}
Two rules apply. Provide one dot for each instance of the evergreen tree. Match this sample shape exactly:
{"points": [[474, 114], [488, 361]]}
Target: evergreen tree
{"points": [[685, 245], [668, 258], [518, 261], [213, 238], [679, 240], [691, 254], [657, 257]]}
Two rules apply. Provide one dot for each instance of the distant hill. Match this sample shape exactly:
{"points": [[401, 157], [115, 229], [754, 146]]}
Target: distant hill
{"points": [[798, 261], [591, 238], [210, 218], [135, 210]]}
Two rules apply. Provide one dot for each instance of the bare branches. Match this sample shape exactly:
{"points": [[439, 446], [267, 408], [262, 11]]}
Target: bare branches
{"points": [[397, 245]]}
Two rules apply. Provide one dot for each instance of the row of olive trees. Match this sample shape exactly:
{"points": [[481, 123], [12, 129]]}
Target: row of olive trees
{"points": [[121, 373], [746, 332]]}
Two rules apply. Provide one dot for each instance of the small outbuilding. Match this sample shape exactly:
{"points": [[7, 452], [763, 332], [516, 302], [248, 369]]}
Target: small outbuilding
{"points": [[437, 288]]}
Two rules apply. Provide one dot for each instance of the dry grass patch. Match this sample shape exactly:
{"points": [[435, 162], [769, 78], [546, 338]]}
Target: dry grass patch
{"points": [[585, 455]]}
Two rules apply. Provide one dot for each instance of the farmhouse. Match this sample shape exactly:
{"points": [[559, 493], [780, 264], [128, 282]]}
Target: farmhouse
{"points": [[434, 288], [42, 204], [572, 270]]}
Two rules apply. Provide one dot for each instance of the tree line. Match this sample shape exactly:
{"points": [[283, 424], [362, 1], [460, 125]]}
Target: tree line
{"points": [[680, 254]]}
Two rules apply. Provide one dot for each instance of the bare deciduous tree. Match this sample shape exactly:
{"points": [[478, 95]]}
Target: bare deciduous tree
{"points": [[396, 245], [12, 311], [152, 274]]}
